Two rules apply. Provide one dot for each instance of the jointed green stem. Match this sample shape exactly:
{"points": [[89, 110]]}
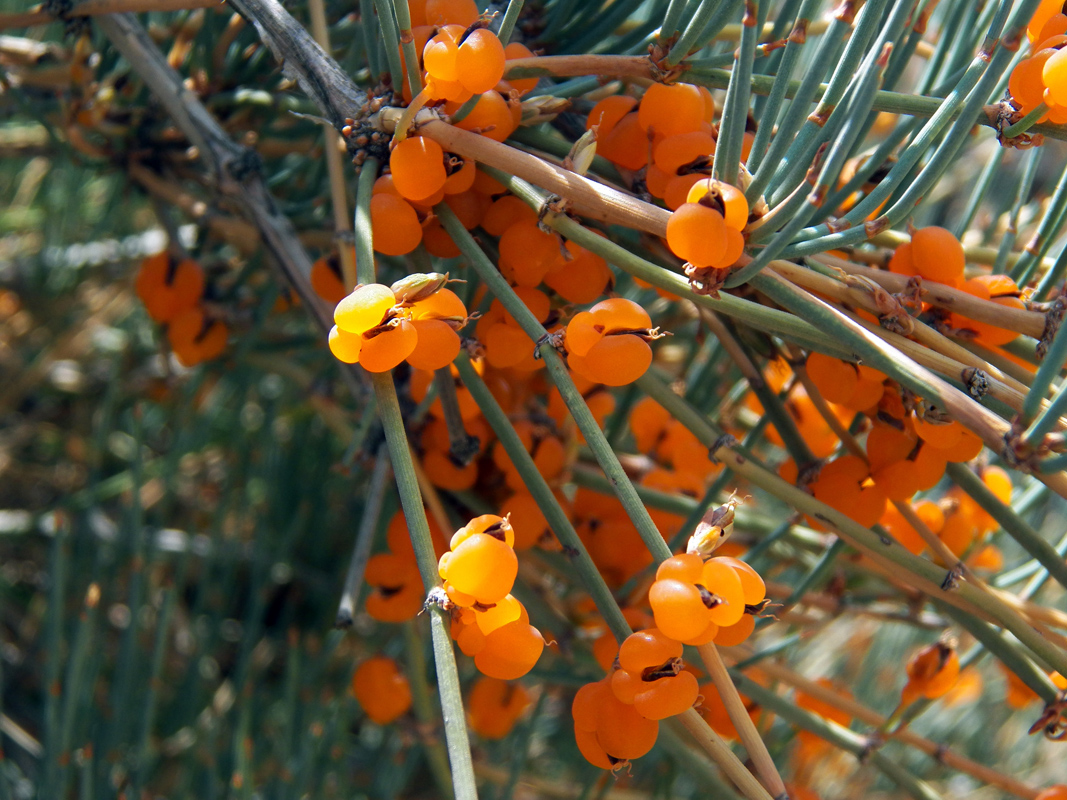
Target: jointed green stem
{"points": [[457, 741], [837, 735], [1029, 539], [1026, 123], [546, 501]]}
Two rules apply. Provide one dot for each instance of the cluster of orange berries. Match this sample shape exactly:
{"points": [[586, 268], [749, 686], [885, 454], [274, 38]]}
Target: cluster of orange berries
{"points": [[172, 291], [489, 624], [905, 454], [1042, 78], [696, 601], [460, 59], [421, 176], [670, 135], [415, 320], [936, 255]]}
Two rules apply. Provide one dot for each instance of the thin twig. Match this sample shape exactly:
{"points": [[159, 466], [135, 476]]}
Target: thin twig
{"points": [[368, 523], [746, 728]]}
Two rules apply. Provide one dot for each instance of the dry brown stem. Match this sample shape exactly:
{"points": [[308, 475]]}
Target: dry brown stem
{"points": [[89, 8]]}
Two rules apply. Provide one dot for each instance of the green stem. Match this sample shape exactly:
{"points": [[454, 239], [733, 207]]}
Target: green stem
{"points": [[693, 36], [456, 739], [1047, 372], [1005, 650], [422, 702], [511, 16], [572, 398], [836, 735], [361, 224], [1028, 538], [727, 158], [1026, 123], [928, 575], [537, 486], [391, 39], [407, 42], [368, 524], [459, 752]]}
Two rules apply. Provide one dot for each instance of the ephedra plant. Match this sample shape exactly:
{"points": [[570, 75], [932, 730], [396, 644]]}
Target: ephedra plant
{"points": [[693, 374]]}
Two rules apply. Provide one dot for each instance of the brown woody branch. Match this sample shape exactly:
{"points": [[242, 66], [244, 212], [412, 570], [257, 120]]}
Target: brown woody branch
{"points": [[234, 170]]}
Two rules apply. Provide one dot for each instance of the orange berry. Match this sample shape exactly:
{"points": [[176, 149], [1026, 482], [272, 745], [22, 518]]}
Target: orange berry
{"points": [[722, 580], [491, 116], [418, 167], [480, 63], [937, 255], [677, 190], [468, 206], [648, 422], [492, 524], [967, 448], [676, 151], [364, 308], [752, 584], [437, 241], [528, 252], [670, 110], [1057, 792], [626, 144], [483, 567], [495, 706], [1045, 11], [622, 732], [510, 651], [835, 379], [528, 521], [733, 635], [505, 212], [345, 346], [439, 55], [437, 344], [582, 279], [608, 112], [729, 200], [697, 234], [887, 445], [326, 280], [666, 697], [397, 593], [1054, 76], [460, 180], [1025, 84], [395, 224], [384, 351], [901, 262], [506, 345], [514, 51], [381, 689], [451, 12], [616, 360], [932, 672], [169, 288], [678, 609]]}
